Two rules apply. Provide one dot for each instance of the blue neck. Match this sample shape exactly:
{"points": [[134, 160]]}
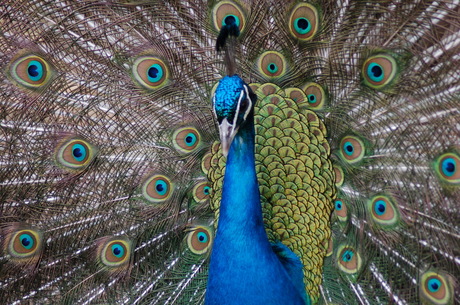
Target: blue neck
{"points": [[243, 268], [240, 207]]}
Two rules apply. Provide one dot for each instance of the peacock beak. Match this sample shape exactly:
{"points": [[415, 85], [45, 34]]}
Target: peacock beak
{"points": [[227, 132]]}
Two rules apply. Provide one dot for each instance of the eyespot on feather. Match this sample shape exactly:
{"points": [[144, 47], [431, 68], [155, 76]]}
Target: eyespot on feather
{"points": [[115, 252], [225, 12], [348, 259], [157, 188], [199, 239], [31, 71], [186, 139], [25, 243], [383, 211], [352, 149], [340, 210], [272, 64], [74, 154], [316, 96], [201, 192], [436, 288], [330, 247], [304, 21], [150, 72], [379, 71], [447, 167]]}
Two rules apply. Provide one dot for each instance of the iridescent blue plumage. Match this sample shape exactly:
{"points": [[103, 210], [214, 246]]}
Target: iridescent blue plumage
{"points": [[245, 268], [227, 95]]}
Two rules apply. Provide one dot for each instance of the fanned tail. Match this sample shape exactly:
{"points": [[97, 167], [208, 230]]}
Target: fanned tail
{"points": [[110, 170]]}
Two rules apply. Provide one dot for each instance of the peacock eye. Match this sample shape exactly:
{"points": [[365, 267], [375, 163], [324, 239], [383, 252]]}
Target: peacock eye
{"points": [[352, 149], [436, 287], [75, 154], [186, 139], [340, 210], [157, 188], [201, 192], [150, 72], [226, 13], [31, 71], [272, 64], [199, 239], [303, 22], [339, 176], [23, 245], [244, 105], [316, 96], [384, 212], [116, 253], [447, 167], [348, 259], [379, 71]]}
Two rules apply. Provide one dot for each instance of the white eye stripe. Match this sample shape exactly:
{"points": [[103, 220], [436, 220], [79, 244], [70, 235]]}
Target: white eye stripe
{"points": [[235, 117], [248, 109], [214, 105]]}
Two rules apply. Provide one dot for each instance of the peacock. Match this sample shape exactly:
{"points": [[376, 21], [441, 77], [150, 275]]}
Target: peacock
{"points": [[230, 152]]}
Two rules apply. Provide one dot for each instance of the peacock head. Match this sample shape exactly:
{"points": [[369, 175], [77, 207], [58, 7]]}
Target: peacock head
{"points": [[233, 103]]}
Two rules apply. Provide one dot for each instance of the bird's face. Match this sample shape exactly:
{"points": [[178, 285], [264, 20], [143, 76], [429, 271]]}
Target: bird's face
{"points": [[233, 102]]}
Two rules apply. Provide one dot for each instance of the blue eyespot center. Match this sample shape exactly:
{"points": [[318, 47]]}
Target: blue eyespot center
{"points": [[190, 139], [449, 166], [118, 251], [311, 98], [434, 284], [380, 207], [35, 70], [375, 72], [79, 152], [338, 205], [272, 68], [26, 241], [347, 256], [161, 187], [206, 190], [155, 73], [302, 25], [202, 237], [348, 147]]}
